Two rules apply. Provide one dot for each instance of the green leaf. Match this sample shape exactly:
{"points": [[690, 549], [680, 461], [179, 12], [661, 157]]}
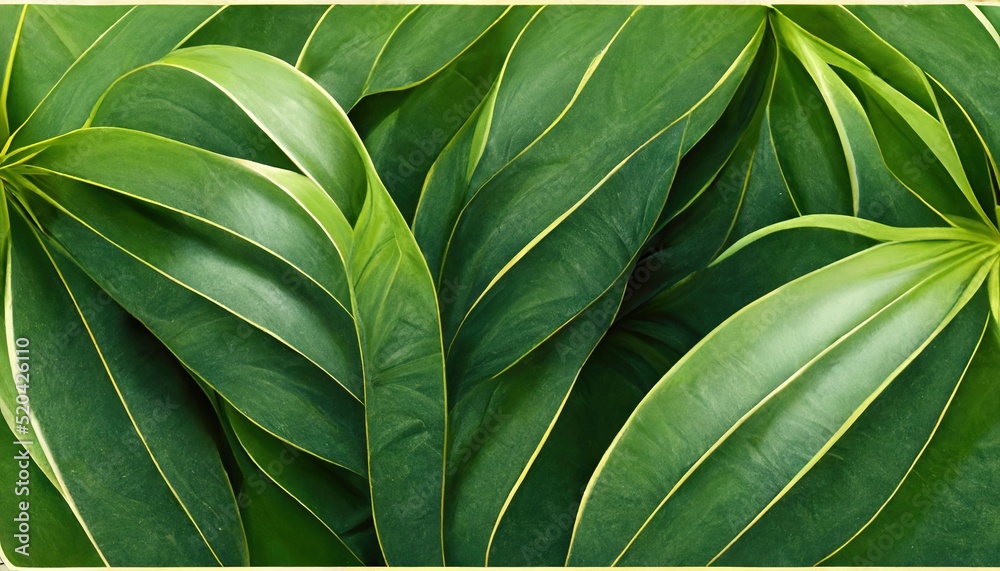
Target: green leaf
{"points": [[142, 35], [842, 29], [727, 185], [277, 30], [510, 228], [301, 539], [55, 537], [405, 400], [869, 316], [394, 305], [846, 487], [923, 125], [875, 193], [337, 498], [10, 28], [522, 110], [498, 426], [173, 103], [360, 50], [320, 143], [928, 516], [218, 328], [51, 39], [405, 131], [145, 420], [925, 37], [635, 353], [564, 44], [970, 148]]}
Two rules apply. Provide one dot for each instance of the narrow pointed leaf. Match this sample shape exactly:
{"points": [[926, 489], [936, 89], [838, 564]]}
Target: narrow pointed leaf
{"points": [[143, 35], [174, 485], [894, 312], [357, 50]]}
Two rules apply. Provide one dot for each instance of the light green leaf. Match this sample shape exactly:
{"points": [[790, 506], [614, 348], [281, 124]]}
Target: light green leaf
{"points": [[926, 37], [846, 487], [921, 123], [855, 326], [322, 145], [173, 103], [875, 193], [628, 361], [929, 517], [842, 29]]}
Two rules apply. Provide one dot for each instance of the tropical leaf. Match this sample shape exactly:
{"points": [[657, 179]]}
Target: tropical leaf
{"points": [[405, 130], [902, 294], [630, 359], [499, 285], [356, 51], [178, 488], [385, 271], [280, 31]]}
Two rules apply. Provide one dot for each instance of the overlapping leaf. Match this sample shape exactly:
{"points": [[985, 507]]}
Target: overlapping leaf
{"points": [[502, 285]]}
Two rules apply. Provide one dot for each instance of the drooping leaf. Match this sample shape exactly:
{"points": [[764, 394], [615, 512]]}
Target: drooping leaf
{"points": [[393, 299], [173, 103], [107, 228]]}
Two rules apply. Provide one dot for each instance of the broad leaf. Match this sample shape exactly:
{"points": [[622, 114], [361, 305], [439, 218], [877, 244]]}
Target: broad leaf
{"points": [[393, 300], [878, 311]]}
